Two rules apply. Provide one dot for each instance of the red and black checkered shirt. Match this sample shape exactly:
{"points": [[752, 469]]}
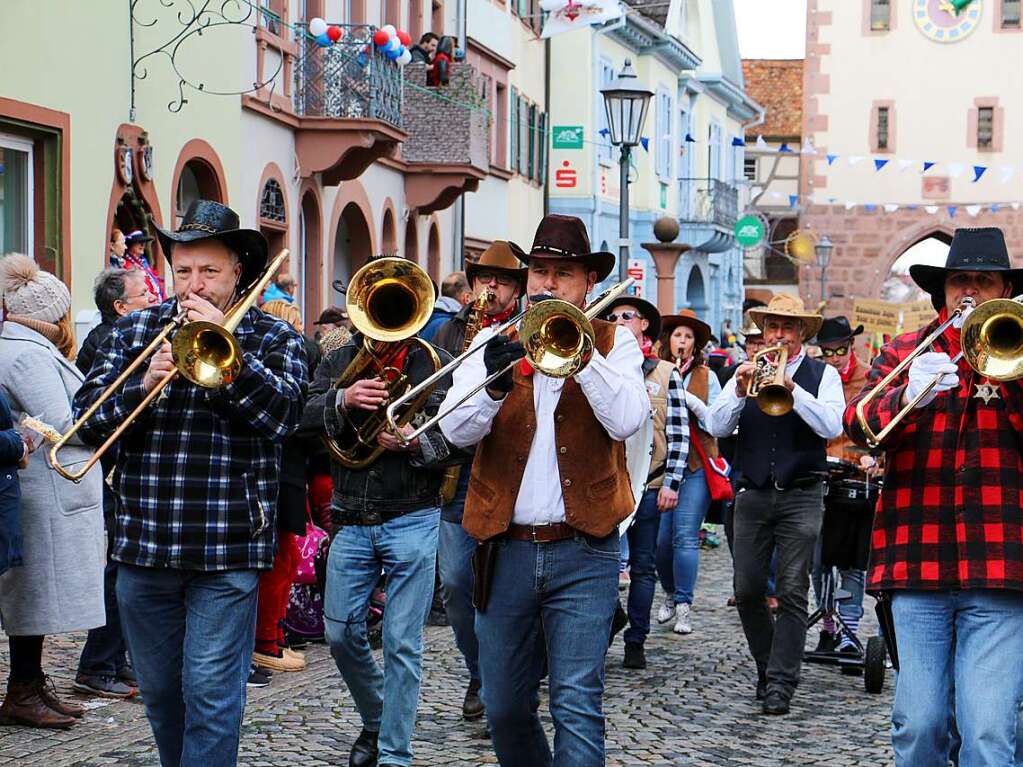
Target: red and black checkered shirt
{"points": [[949, 515]]}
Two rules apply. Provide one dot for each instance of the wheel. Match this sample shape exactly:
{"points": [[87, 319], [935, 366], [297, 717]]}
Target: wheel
{"points": [[874, 665]]}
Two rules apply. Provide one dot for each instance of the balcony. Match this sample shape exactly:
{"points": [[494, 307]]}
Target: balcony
{"points": [[348, 105], [447, 152], [708, 209]]}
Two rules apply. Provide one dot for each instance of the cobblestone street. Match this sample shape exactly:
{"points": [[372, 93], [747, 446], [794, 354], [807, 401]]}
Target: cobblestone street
{"points": [[692, 706]]}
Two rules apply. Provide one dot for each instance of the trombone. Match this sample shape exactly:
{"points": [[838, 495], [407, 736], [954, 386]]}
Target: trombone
{"points": [[205, 353], [558, 339]]}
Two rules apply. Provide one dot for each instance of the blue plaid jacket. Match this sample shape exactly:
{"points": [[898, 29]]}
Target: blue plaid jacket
{"points": [[197, 474]]}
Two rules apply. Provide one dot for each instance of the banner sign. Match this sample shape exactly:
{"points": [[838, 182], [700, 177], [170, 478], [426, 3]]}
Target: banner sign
{"points": [[876, 316]]}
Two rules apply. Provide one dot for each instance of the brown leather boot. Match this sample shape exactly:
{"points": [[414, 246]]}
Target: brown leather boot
{"points": [[48, 692], [25, 706]]}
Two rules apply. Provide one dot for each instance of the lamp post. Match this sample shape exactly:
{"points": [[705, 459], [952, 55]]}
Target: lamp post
{"points": [[625, 102], [822, 251]]}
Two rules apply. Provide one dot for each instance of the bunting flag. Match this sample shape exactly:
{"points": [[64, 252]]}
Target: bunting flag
{"points": [[1014, 205], [878, 164], [645, 143], [850, 205], [870, 207], [604, 132], [689, 139], [756, 191], [932, 209], [927, 166], [904, 165], [807, 148], [995, 208], [973, 210], [566, 15], [793, 199], [761, 144], [891, 207], [832, 158], [952, 210], [784, 148], [955, 169], [978, 171], [855, 159], [736, 141], [1007, 171]]}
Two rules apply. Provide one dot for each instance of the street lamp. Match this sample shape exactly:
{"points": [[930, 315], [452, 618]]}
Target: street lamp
{"points": [[625, 102], [822, 251]]}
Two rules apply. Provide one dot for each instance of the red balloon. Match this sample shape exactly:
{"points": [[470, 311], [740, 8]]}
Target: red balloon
{"points": [[334, 33], [381, 38], [405, 38]]}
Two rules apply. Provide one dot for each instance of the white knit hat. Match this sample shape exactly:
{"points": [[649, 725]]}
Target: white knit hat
{"points": [[30, 292]]}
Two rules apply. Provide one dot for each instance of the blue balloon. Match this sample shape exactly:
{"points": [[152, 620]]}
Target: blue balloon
{"points": [[323, 41], [392, 54]]}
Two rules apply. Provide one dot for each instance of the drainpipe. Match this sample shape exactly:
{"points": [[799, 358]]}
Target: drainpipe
{"points": [[547, 109], [458, 262]]}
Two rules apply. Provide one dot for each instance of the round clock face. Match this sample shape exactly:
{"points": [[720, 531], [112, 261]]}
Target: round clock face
{"points": [[947, 21]]}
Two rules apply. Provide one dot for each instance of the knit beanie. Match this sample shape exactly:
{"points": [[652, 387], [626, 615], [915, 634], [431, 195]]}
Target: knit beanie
{"points": [[30, 292]]}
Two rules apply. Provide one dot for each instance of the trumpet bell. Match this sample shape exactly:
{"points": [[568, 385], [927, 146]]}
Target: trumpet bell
{"points": [[992, 339], [557, 337], [207, 354], [390, 299]]}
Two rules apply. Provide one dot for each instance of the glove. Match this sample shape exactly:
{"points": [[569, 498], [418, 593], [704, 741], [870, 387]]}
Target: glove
{"points": [[697, 406], [498, 354], [924, 370]]}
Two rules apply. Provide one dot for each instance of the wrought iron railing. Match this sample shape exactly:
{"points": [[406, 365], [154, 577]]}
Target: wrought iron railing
{"points": [[708, 201], [348, 80]]}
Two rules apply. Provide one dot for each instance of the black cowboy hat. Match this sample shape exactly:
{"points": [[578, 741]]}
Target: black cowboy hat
{"points": [[208, 220], [837, 329], [560, 236], [972, 250], [647, 309], [136, 236]]}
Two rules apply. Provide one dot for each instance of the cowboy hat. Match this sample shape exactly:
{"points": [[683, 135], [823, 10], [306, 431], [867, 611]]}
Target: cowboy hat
{"points": [[136, 236], [646, 309], [560, 236], [687, 317], [208, 220], [750, 330], [785, 305], [501, 257], [972, 250], [835, 330]]}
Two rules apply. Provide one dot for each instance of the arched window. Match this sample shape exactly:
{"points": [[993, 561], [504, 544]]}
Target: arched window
{"points": [[271, 204]]}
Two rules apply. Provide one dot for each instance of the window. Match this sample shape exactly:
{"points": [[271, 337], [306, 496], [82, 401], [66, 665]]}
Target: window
{"points": [[1011, 14], [882, 128], [531, 143], [985, 127], [500, 150], [714, 151], [607, 74], [880, 15], [749, 168], [663, 141], [271, 206], [272, 15], [16, 191], [513, 131], [738, 162], [187, 192], [541, 175]]}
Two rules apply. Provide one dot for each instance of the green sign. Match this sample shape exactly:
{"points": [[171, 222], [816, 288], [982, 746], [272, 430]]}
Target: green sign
{"points": [[567, 136], [749, 231]]}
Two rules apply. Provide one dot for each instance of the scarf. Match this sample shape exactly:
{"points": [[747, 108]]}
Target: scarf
{"points": [[647, 347], [683, 367], [850, 367], [951, 333], [59, 334], [496, 319]]}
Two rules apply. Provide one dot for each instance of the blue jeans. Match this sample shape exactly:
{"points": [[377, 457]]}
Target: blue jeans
{"points": [[852, 580], [406, 548], [642, 537], [562, 594], [961, 645], [191, 635], [678, 540], [455, 561]]}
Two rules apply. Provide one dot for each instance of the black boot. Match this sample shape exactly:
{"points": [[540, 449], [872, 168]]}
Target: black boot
{"points": [[472, 706], [635, 657], [618, 621], [364, 750], [761, 684]]}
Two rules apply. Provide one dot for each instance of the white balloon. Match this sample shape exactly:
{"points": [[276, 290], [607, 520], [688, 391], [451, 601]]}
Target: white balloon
{"points": [[393, 44], [391, 31], [405, 58], [317, 26]]}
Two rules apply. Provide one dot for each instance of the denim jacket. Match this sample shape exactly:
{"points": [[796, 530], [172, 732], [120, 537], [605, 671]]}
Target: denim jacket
{"points": [[396, 482]]}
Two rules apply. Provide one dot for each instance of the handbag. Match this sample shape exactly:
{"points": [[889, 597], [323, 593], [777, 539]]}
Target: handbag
{"points": [[308, 547], [715, 470]]}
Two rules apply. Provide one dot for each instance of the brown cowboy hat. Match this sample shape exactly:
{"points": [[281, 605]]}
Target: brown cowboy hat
{"points": [[687, 317], [786, 305], [560, 236], [502, 257], [646, 309]]}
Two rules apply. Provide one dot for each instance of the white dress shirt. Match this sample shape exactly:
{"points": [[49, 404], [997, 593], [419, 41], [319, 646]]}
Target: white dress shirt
{"points": [[613, 385], [822, 413]]}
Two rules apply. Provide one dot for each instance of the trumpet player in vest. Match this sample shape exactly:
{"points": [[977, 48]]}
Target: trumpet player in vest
{"points": [[665, 478], [498, 281], [681, 342], [947, 544], [549, 486], [386, 501], [780, 499]]}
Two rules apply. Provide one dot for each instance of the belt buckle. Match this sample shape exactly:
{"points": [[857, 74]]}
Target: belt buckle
{"points": [[778, 487], [533, 529]]}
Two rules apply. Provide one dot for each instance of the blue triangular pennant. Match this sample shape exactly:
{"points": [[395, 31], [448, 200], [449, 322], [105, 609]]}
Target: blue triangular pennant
{"points": [[878, 164], [604, 132], [793, 199], [832, 158], [978, 171], [995, 208], [690, 139], [870, 207], [927, 166], [952, 210], [645, 143], [912, 207], [736, 141], [784, 148]]}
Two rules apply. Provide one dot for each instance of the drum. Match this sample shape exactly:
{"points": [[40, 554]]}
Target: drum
{"points": [[848, 519]]}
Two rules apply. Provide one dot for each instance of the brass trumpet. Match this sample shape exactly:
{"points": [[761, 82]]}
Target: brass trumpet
{"points": [[767, 385], [205, 353], [389, 301]]}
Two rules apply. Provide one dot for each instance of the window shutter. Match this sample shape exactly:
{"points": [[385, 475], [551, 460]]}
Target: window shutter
{"points": [[544, 139], [513, 132]]}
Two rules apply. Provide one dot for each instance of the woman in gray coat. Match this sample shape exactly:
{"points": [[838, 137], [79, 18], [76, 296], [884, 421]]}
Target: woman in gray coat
{"points": [[59, 587]]}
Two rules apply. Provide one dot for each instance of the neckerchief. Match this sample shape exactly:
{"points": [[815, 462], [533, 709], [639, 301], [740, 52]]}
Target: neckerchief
{"points": [[850, 367], [496, 319], [951, 333], [647, 347]]}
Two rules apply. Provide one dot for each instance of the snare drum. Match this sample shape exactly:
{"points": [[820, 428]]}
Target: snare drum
{"points": [[848, 518]]}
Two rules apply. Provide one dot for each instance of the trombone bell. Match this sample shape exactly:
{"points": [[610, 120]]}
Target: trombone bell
{"points": [[992, 339], [558, 338], [207, 354]]}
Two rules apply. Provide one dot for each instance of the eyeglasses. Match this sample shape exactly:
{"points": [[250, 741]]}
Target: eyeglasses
{"points": [[502, 279], [841, 351], [627, 316], [144, 294]]}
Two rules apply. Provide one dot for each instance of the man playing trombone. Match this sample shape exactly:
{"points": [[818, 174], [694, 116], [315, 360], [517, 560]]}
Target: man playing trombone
{"points": [[947, 543], [196, 485], [549, 486], [780, 500]]}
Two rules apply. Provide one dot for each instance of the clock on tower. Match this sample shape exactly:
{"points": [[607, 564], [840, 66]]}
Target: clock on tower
{"points": [[947, 21]]}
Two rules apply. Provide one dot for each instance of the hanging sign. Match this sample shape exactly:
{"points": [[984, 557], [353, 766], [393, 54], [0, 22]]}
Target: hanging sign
{"points": [[567, 137], [637, 271], [749, 231], [876, 316], [916, 315], [565, 177]]}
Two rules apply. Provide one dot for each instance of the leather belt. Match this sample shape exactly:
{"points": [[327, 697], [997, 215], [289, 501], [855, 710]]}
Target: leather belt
{"points": [[366, 518], [795, 484], [557, 531]]}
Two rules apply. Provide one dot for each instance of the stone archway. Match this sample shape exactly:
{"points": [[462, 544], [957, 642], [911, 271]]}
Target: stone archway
{"points": [[312, 254], [388, 231], [352, 243], [433, 253], [696, 293], [412, 240]]}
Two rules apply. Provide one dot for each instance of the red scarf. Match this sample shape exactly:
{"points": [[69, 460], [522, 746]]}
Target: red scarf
{"points": [[850, 367], [497, 319], [647, 347], [951, 333]]}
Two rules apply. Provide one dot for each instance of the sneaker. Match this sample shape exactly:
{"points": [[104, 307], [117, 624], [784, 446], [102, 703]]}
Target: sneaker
{"points": [[666, 611], [282, 662], [623, 580], [126, 674], [258, 677], [847, 647], [682, 624], [827, 642], [102, 686]]}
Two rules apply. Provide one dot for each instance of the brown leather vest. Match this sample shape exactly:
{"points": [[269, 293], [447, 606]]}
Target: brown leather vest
{"points": [[591, 466], [699, 384]]}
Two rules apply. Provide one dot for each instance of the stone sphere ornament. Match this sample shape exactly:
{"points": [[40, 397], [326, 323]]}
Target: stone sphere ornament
{"points": [[666, 229]]}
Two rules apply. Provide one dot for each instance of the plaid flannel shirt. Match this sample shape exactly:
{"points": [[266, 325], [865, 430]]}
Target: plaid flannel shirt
{"points": [[197, 473], [676, 432], [949, 515]]}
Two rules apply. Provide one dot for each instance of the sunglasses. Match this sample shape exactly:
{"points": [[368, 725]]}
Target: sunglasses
{"points": [[502, 279], [627, 316], [841, 351]]}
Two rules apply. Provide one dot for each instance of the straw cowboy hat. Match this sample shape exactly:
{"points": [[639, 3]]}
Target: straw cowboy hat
{"points": [[688, 318], [501, 257], [560, 236], [785, 305]]}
